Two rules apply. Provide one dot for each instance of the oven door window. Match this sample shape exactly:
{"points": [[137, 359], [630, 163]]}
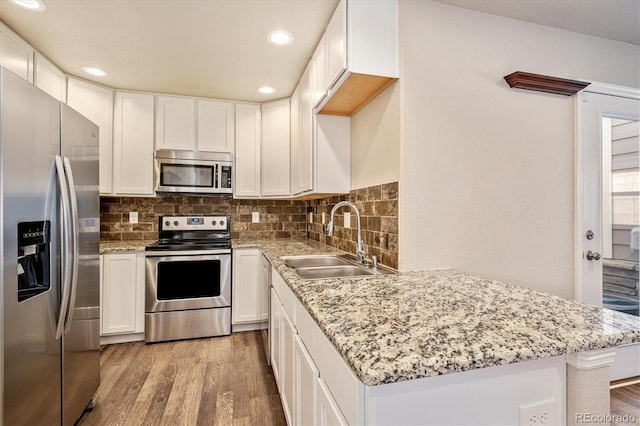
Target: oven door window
{"points": [[188, 279], [187, 175]]}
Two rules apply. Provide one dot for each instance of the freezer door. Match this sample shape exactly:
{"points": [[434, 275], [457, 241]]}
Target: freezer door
{"points": [[29, 139], [81, 340]]}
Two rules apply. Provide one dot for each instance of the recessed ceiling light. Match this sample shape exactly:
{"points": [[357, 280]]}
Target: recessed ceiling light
{"points": [[266, 90], [280, 38], [34, 5], [94, 71]]}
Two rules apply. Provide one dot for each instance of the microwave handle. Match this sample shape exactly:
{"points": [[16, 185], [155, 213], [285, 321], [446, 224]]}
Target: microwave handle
{"points": [[216, 183]]}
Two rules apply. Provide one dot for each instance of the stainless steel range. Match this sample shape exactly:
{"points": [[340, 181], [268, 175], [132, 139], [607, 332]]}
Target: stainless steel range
{"points": [[188, 279]]}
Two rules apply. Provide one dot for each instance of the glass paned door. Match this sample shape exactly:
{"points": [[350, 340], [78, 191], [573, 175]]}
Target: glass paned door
{"points": [[620, 214], [608, 210]]}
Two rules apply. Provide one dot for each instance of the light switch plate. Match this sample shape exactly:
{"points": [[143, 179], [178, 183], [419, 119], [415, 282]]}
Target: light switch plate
{"points": [[133, 217], [324, 218], [310, 217], [255, 217], [347, 220]]}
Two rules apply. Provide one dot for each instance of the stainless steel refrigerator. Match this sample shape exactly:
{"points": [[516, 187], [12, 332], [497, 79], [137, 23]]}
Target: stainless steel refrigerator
{"points": [[49, 216]]}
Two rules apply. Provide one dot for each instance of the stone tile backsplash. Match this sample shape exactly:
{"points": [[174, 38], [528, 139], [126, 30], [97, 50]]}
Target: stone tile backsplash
{"points": [[378, 206], [278, 218], [286, 219]]}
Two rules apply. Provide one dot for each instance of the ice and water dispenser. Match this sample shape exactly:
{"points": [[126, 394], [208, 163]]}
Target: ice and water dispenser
{"points": [[34, 262]]}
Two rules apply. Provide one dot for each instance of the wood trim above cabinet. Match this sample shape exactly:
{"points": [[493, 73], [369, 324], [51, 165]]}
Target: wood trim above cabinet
{"points": [[545, 83], [354, 93]]}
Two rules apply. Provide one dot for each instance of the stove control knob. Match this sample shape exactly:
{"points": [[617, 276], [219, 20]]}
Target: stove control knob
{"points": [[167, 223], [214, 223], [175, 222], [222, 223]]}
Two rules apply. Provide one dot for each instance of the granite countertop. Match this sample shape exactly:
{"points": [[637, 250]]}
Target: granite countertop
{"points": [[427, 323], [117, 246]]}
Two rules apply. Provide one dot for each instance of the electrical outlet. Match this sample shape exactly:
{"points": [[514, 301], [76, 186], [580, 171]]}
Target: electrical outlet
{"points": [[347, 220], [255, 217], [310, 217], [539, 414], [324, 218], [133, 217]]}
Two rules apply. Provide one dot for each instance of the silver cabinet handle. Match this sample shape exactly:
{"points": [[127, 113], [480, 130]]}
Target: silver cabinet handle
{"points": [[592, 255]]}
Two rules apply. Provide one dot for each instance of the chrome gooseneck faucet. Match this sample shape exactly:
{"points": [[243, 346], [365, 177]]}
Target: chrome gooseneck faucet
{"points": [[361, 253]]}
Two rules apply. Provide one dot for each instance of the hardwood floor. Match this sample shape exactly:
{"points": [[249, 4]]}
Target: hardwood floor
{"points": [[215, 381], [626, 401]]}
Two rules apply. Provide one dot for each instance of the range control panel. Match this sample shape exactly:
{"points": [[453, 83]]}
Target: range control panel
{"points": [[189, 223]]}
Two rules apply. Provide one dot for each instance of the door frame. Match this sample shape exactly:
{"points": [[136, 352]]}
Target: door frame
{"points": [[579, 245]]}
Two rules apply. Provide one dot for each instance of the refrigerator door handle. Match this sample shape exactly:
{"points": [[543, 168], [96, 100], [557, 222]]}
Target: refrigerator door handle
{"points": [[74, 241], [66, 246]]}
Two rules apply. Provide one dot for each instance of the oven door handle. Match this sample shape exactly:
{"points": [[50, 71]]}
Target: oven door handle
{"points": [[181, 253]]}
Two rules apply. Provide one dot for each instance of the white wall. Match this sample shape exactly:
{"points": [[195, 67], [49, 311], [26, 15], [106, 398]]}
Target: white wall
{"points": [[486, 176], [375, 140]]}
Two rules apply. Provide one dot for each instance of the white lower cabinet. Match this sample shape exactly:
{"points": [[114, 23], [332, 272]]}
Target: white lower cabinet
{"points": [[328, 412], [122, 297], [249, 303], [306, 399], [306, 385]]}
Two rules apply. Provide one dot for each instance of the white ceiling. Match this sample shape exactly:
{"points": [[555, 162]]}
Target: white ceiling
{"points": [[218, 48]]}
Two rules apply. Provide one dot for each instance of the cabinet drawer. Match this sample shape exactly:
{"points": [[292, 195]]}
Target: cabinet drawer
{"points": [[284, 293], [342, 383]]}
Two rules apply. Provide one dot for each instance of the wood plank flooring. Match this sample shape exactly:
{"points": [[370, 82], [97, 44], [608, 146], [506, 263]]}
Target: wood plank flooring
{"points": [[626, 401], [215, 381]]}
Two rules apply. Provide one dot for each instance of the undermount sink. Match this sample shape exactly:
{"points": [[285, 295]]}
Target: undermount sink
{"points": [[332, 272], [314, 261], [316, 267]]}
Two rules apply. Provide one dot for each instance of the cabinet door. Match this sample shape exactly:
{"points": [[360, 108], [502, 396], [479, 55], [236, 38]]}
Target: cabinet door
{"points": [[328, 412], [295, 142], [247, 286], [118, 287], [319, 72], [96, 103], [287, 378], [133, 144], [216, 126], [306, 133], [265, 284], [49, 78], [247, 158], [336, 39], [276, 146], [275, 337], [15, 54], [306, 383], [175, 123]]}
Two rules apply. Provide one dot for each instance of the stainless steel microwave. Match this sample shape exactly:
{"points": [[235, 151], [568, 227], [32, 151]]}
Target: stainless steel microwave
{"points": [[193, 172]]}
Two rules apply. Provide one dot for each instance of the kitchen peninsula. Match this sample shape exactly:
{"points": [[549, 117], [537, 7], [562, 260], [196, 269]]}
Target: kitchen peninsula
{"points": [[422, 344]]}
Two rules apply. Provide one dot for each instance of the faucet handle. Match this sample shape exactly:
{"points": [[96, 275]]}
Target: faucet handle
{"points": [[374, 262], [330, 228]]}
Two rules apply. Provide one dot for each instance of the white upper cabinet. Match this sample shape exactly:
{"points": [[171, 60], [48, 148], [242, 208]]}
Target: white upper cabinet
{"points": [[295, 141], [96, 103], [362, 54], [16, 55], [133, 144], [247, 164], [175, 123], [276, 148], [216, 126], [49, 78], [336, 44], [319, 72]]}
